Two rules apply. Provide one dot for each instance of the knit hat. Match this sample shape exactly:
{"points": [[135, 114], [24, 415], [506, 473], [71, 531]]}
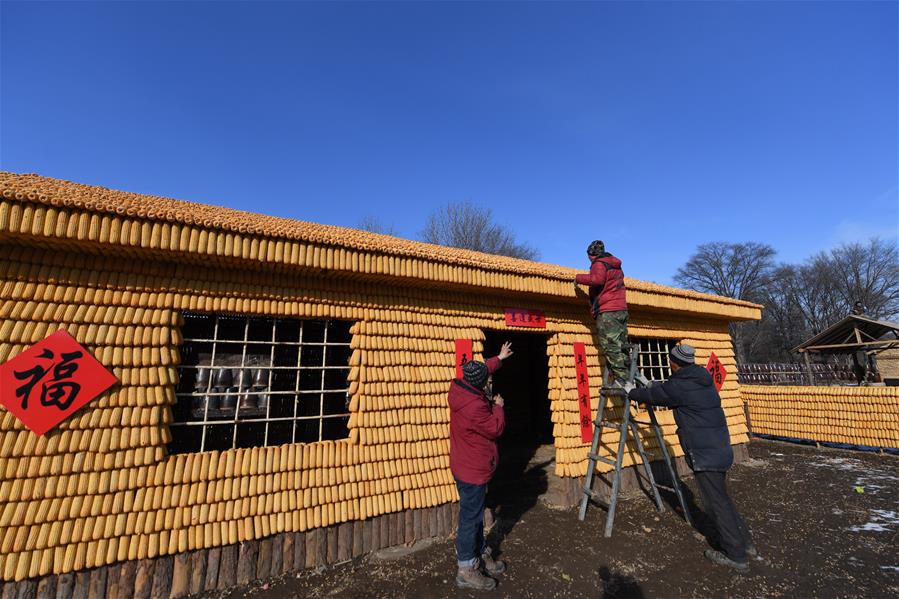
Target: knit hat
{"points": [[475, 373], [683, 354], [596, 248]]}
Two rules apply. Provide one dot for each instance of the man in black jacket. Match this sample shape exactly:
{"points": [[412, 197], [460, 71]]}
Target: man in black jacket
{"points": [[702, 431]]}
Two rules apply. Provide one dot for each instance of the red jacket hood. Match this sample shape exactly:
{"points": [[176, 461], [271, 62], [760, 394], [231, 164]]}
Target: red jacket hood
{"points": [[608, 259], [461, 394]]}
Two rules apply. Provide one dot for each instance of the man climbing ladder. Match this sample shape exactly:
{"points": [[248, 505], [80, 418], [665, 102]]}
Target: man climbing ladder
{"points": [[608, 305]]}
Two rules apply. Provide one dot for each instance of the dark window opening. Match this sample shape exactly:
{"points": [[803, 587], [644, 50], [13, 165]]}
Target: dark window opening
{"points": [[256, 381]]}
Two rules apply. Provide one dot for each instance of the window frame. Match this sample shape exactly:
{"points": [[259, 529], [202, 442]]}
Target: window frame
{"points": [[243, 415], [654, 345]]}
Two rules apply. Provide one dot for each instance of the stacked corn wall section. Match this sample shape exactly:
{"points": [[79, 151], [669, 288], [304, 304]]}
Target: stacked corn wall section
{"points": [[102, 488], [866, 416]]}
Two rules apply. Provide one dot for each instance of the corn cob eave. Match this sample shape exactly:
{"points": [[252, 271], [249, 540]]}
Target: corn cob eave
{"points": [[65, 212]]}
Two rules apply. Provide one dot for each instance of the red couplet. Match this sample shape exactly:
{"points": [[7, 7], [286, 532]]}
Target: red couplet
{"points": [[717, 370], [583, 392], [463, 355], [50, 381], [520, 317]]}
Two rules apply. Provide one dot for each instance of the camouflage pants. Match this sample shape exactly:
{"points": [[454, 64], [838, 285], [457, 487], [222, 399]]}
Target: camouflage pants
{"points": [[611, 329]]}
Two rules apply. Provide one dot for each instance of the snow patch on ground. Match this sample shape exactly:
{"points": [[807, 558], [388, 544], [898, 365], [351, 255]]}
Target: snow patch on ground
{"points": [[881, 521], [871, 480], [823, 461], [868, 481]]}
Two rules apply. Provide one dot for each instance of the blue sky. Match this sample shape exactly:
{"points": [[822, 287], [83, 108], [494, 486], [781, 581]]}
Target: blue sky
{"points": [[652, 126]]}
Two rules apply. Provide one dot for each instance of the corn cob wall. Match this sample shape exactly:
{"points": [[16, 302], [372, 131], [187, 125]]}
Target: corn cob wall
{"points": [[856, 415], [888, 363], [101, 487]]}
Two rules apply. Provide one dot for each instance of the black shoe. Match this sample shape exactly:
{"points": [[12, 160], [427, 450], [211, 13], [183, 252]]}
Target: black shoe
{"points": [[719, 558]]}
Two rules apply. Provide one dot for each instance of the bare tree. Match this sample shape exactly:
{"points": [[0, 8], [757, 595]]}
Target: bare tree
{"points": [[737, 270], [800, 300], [866, 273], [376, 225], [464, 225]]}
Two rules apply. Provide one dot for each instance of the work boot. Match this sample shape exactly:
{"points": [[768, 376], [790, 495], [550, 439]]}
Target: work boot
{"points": [[719, 558], [624, 384], [470, 577], [492, 566]]}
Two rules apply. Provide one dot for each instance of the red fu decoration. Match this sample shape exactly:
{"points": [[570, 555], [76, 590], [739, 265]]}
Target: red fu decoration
{"points": [[50, 381], [716, 369], [583, 392]]}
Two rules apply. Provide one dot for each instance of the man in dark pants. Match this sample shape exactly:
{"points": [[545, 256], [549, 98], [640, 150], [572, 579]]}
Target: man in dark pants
{"points": [[702, 431], [476, 422]]}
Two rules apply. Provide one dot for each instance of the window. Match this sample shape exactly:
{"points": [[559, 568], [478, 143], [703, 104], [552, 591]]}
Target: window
{"points": [[252, 381], [653, 360]]}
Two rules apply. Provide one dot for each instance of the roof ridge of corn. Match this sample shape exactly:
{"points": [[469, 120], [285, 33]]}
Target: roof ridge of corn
{"points": [[92, 198]]}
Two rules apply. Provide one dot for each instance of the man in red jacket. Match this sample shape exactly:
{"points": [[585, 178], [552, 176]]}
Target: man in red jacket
{"points": [[608, 305], [476, 422]]}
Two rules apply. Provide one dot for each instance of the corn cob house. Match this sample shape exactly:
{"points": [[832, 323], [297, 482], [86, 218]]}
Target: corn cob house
{"points": [[281, 395]]}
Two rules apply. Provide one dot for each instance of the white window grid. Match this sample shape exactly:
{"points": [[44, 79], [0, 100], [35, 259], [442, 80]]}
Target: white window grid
{"points": [[249, 416], [653, 357]]}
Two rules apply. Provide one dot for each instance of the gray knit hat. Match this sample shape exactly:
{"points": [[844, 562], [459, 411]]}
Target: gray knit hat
{"points": [[683, 354], [475, 373]]}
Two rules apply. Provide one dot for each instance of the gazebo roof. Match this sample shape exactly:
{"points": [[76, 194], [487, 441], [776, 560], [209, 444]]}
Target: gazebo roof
{"points": [[852, 333]]}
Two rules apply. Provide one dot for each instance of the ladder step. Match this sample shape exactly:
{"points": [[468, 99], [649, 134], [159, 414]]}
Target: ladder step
{"points": [[607, 424], [599, 458], [593, 495], [666, 487]]}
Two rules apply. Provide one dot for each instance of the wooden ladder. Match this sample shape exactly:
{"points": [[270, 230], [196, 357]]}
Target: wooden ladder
{"points": [[626, 426]]}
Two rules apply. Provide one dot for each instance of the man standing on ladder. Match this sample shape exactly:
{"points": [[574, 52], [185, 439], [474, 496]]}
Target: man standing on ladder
{"points": [[608, 305], [702, 431]]}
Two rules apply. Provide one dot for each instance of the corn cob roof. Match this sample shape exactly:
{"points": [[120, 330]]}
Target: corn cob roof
{"points": [[35, 189]]}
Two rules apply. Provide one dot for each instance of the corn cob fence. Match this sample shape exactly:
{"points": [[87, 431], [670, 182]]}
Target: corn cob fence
{"points": [[860, 417], [100, 507]]}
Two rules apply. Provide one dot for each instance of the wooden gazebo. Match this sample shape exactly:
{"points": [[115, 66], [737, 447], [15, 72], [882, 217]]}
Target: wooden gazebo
{"points": [[853, 333]]}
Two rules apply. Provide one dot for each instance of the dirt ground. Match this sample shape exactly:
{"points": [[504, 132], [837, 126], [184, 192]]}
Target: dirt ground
{"points": [[826, 523]]}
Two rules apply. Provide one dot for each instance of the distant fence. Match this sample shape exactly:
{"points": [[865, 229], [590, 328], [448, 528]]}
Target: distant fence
{"points": [[793, 374]]}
